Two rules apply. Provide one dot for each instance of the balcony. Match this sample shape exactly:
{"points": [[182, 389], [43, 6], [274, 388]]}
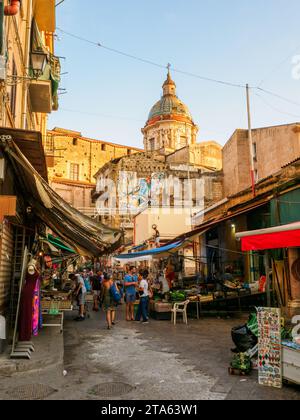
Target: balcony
{"points": [[45, 73], [40, 92]]}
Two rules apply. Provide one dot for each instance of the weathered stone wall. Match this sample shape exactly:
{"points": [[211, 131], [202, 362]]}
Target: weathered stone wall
{"points": [[236, 163], [206, 154], [90, 154], [79, 196], [275, 148], [64, 148]]}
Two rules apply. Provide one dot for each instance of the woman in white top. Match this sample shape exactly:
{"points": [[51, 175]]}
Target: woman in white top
{"points": [[144, 298]]}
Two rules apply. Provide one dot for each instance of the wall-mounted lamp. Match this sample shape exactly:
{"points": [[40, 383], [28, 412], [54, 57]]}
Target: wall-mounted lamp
{"points": [[38, 63]]}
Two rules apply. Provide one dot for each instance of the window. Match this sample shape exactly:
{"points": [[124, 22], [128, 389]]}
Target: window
{"points": [[75, 142], [74, 172], [152, 144], [183, 141], [128, 152], [254, 151], [103, 147], [49, 144], [256, 178], [13, 92]]}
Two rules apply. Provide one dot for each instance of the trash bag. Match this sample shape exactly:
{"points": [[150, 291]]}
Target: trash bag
{"points": [[243, 338], [253, 324]]}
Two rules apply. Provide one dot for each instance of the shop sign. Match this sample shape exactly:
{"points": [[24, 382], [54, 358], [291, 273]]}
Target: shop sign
{"points": [[269, 347]]}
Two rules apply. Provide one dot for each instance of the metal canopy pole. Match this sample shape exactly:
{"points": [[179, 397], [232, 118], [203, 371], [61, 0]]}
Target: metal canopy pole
{"points": [[268, 283]]}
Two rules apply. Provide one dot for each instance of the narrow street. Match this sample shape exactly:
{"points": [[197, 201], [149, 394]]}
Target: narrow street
{"points": [[157, 361]]}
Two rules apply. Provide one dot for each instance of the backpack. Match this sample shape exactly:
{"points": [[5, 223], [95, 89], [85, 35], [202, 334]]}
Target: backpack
{"points": [[115, 293]]}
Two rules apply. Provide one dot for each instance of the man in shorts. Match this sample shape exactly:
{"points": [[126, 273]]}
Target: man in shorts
{"points": [[96, 282], [130, 283]]}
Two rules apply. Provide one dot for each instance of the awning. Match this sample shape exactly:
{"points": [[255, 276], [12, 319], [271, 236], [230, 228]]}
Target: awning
{"points": [[149, 254], [84, 234], [44, 13], [287, 236], [58, 243], [206, 226], [31, 145]]}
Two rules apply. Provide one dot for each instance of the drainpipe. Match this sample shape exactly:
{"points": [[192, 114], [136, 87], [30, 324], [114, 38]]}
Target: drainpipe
{"points": [[13, 9], [26, 64]]}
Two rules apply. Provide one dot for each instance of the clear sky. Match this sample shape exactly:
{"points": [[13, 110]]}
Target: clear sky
{"points": [[109, 96]]}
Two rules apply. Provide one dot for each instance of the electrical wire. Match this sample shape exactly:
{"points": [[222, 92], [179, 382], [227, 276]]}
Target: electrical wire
{"points": [[276, 109], [95, 114], [268, 92], [152, 63]]}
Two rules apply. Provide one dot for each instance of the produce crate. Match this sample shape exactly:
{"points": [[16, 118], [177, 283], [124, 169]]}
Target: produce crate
{"points": [[63, 305]]}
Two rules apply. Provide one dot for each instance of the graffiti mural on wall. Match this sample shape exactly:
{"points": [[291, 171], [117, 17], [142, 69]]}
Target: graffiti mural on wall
{"points": [[136, 193]]}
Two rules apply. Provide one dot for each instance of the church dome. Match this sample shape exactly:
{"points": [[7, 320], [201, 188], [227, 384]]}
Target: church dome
{"points": [[169, 104]]}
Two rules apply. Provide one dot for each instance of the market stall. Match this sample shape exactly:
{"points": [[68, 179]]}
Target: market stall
{"points": [[41, 272], [171, 283], [278, 358]]}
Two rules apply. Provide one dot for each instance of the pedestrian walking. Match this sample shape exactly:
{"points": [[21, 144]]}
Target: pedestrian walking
{"points": [[144, 298], [80, 294], [130, 283], [108, 303], [96, 282]]}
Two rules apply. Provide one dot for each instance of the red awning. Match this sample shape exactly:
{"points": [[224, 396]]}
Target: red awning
{"points": [[273, 238]]}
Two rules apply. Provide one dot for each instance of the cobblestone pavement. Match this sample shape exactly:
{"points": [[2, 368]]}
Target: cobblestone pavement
{"points": [[157, 361]]}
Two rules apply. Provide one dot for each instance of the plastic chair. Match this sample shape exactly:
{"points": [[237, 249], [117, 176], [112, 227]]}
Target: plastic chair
{"points": [[180, 308]]}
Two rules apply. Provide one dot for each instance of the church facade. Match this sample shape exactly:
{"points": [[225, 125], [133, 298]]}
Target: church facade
{"points": [[172, 163]]}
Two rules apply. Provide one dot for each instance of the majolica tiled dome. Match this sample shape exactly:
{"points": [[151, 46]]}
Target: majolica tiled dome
{"points": [[169, 104]]}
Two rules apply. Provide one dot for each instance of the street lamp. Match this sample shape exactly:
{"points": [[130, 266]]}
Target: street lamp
{"points": [[38, 63]]}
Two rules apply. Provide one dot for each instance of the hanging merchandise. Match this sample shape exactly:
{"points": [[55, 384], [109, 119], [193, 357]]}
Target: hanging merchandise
{"points": [[269, 347], [26, 307], [36, 309]]}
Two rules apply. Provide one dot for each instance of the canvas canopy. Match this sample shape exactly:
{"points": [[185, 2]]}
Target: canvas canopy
{"points": [[84, 234], [287, 236], [149, 254]]}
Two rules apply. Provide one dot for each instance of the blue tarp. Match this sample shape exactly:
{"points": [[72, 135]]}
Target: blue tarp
{"points": [[149, 252]]}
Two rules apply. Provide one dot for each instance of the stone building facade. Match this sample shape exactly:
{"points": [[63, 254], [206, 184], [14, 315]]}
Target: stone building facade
{"points": [[72, 161], [273, 148], [26, 101], [129, 185], [171, 153]]}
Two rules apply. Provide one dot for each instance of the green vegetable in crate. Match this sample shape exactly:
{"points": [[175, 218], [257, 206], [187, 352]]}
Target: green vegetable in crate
{"points": [[242, 362], [178, 296]]}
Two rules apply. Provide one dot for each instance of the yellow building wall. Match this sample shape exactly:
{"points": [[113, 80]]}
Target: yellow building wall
{"points": [[90, 154], [18, 39]]}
